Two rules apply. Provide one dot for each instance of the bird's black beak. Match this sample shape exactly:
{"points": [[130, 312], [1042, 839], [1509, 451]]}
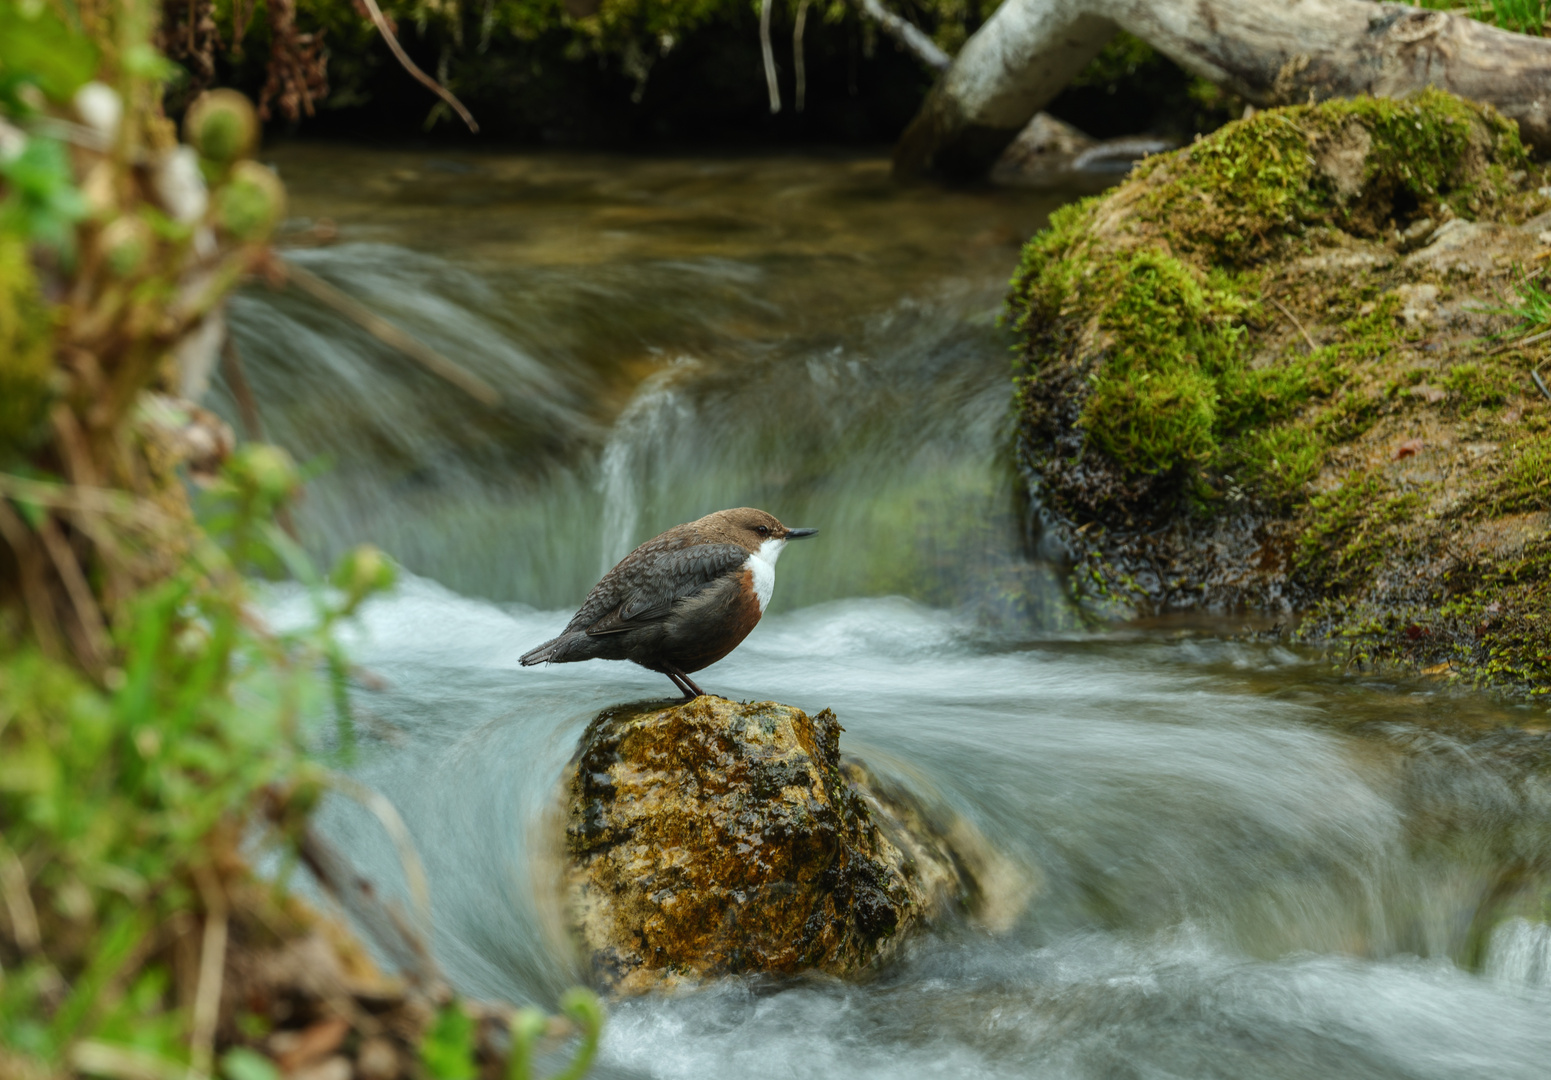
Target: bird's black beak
{"points": [[798, 534]]}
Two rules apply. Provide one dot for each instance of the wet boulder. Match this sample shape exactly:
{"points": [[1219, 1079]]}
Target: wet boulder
{"points": [[1294, 370], [714, 838]]}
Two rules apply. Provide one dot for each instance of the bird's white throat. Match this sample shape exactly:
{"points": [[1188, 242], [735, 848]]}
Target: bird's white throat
{"points": [[762, 563]]}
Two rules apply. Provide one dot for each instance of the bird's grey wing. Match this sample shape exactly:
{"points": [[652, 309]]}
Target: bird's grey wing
{"points": [[645, 590]]}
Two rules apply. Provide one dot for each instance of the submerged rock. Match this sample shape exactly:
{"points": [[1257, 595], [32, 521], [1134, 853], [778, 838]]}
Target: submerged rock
{"points": [[712, 838], [1050, 153], [1275, 370]]}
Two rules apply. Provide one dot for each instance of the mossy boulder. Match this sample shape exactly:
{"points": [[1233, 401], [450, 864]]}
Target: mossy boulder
{"points": [[1269, 372], [712, 838]]}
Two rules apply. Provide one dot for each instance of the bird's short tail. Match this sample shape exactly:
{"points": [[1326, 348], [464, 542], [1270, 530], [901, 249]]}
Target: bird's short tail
{"points": [[541, 655]]}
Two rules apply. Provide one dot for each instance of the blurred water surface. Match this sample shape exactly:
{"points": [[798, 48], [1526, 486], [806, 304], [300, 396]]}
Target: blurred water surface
{"points": [[1247, 865]]}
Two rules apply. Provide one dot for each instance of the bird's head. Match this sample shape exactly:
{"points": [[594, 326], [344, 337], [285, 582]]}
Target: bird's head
{"points": [[754, 530]]}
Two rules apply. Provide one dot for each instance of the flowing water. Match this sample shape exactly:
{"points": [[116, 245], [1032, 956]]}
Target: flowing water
{"points": [[1232, 860]]}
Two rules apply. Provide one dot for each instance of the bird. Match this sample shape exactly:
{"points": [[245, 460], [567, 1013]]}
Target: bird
{"points": [[681, 601]]}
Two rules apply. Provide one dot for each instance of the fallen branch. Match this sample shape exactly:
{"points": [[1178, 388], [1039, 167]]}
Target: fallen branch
{"points": [[907, 34], [1294, 320], [799, 64], [769, 55], [381, 22], [1267, 51], [392, 336], [242, 393], [212, 966]]}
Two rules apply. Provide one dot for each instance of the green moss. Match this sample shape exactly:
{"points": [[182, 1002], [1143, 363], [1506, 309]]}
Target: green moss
{"points": [[26, 349], [1163, 301], [1526, 485], [1346, 529], [1169, 339], [1481, 385], [1281, 460], [1232, 195]]}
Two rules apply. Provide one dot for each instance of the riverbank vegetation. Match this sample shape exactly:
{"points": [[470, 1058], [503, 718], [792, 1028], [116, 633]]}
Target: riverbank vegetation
{"points": [[156, 736]]}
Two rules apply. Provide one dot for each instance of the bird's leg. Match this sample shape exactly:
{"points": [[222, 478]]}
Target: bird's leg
{"points": [[681, 682], [694, 691], [690, 685]]}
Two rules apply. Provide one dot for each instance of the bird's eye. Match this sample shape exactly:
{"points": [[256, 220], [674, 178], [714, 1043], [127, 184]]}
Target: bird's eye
{"points": [[762, 530]]}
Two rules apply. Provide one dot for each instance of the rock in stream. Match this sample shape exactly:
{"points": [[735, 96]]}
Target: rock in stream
{"points": [[714, 838]]}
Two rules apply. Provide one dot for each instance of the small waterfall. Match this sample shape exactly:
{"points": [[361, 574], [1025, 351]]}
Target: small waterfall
{"points": [[657, 408], [1520, 953]]}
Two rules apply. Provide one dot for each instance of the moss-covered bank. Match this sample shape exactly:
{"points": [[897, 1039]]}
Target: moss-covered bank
{"points": [[1275, 370]]}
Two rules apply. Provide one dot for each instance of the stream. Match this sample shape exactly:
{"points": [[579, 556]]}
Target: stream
{"points": [[1233, 860]]}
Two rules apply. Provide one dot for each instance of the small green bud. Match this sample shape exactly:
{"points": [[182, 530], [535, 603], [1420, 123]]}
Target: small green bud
{"points": [[363, 571], [125, 244], [221, 125], [251, 202], [267, 471]]}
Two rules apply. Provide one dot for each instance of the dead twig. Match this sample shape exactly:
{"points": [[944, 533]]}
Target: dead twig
{"points": [[409, 65], [18, 901], [1540, 383], [242, 393], [407, 949], [799, 63], [212, 965], [390, 335], [1521, 342], [769, 55], [907, 34], [1294, 320], [122, 1062], [404, 844], [40, 607], [85, 500], [93, 646]]}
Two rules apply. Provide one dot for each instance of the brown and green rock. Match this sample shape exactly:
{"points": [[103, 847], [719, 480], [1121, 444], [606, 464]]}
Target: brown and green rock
{"points": [[1276, 371], [712, 838]]}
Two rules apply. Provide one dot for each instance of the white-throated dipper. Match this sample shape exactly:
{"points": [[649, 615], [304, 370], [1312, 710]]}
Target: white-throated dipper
{"points": [[682, 600]]}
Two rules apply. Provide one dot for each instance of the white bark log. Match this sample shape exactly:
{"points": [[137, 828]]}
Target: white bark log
{"points": [[1271, 52], [922, 47]]}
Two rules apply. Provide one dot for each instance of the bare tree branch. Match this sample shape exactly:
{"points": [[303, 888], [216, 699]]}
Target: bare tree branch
{"points": [[425, 80], [906, 33]]}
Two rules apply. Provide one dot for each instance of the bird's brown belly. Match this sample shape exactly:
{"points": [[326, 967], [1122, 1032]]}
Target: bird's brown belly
{"points": [[704, 628]]}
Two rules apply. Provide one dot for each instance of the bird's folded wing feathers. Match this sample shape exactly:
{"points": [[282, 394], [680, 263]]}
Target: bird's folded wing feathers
{"points": [[642, 591]]}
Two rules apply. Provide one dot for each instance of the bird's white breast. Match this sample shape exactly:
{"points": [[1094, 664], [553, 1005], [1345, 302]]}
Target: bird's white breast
{"points": [[762, 563]]}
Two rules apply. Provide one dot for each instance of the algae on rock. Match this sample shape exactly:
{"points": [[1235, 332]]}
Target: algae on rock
{"points": [[712, 838], [1265, 373]]}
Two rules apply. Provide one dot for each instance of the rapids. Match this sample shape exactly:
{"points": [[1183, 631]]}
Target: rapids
{"points": [[1246, 864]]}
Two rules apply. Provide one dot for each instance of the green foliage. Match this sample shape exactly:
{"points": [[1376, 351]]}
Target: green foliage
{"points": [[38, 50], [1520, 16], [1531, 305], [244, 1064], [41, 202], [26, 348], [114, 796], [1120, 59], [448, 1049]]}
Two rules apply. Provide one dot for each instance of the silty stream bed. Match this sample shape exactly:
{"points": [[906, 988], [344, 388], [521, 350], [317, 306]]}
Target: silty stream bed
{"points": [[1247, 865]]}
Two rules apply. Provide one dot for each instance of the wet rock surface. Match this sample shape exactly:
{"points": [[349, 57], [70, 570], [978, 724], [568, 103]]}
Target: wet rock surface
{"points": [[714, 838], [1049, 153]]}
